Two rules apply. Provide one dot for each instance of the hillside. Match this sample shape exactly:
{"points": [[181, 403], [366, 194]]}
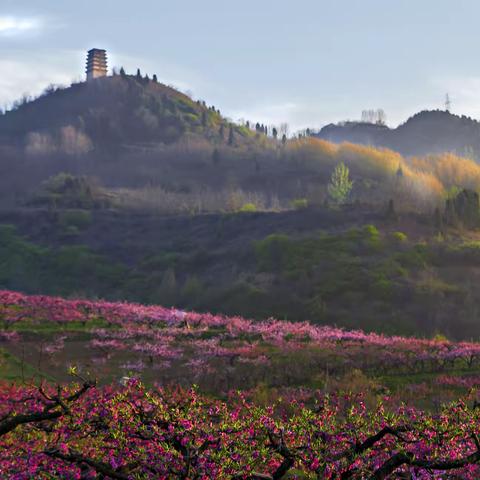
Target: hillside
{"points": [[130, 143], [351, 267], [425, 133], [184, 347], [111, 113], [247, 226]]}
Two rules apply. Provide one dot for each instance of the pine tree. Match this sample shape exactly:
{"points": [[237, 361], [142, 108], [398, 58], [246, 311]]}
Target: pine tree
{"points": [[154, 78], [122, 72]]}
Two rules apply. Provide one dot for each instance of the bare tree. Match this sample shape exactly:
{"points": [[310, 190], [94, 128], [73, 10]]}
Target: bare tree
{"points": [[284, 129]]}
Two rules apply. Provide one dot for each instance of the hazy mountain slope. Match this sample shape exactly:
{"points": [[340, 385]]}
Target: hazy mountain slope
{"points": [[426, 132]]}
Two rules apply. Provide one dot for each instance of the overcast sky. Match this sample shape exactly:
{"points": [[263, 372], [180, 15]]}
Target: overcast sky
{"points": [[308, 62]]}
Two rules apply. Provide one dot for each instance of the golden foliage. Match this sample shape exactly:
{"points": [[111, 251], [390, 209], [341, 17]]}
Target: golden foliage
{"points": [[420, 182], [450, 170]]}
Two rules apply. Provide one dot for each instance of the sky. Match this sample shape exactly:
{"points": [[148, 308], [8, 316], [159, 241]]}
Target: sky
{"points": [[307, 63]]}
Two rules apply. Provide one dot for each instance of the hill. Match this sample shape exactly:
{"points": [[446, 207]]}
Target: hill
{"points": [[130, 143], [110, 113], [247, 226], [425, 133]]}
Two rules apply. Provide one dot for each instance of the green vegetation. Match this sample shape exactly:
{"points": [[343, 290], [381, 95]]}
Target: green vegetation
{"points": [[63, 271], [248, 208], [16, 369], [359, 277], [340, 184], [299, 203], [68, 191]]}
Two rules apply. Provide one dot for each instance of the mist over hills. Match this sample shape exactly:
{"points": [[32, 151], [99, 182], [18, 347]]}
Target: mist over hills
{"points": [[434, 131]]}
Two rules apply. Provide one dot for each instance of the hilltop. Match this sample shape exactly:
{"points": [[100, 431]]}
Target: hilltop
{"points": [[424, 133], [110, 113]]}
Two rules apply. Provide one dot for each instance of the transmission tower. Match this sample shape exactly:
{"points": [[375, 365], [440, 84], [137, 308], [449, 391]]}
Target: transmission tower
{"points": [[448, 103]]}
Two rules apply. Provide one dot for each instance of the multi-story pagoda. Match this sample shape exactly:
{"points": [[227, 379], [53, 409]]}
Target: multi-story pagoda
{"points": [[96, 64]]}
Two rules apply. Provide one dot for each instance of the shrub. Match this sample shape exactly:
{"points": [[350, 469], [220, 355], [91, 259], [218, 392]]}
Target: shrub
{"points": [[248, 208], [371, 237], [273, 252], [79, 219], [68, 191], [299, 203], [398, 237]]}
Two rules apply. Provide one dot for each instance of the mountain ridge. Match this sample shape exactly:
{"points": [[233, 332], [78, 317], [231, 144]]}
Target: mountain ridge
{"points": [[426, 132]]}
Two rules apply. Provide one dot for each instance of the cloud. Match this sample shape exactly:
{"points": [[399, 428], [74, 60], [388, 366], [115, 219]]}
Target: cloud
{"points": [[11, 26], [297, 114], [31, 74]]}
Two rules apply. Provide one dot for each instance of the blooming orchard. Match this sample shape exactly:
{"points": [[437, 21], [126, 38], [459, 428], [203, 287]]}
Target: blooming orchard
{"points": [[140, 336], [126, 430], [131, 432]]}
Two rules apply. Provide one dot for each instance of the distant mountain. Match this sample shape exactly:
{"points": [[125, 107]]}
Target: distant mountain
{"points": [[426, 132]]}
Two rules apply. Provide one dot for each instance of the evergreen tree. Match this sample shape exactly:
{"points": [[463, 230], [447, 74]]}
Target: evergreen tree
{"points": [[284, 139], [154, 78], [340, 184], [122, 72], [231, 136], [275, 133], [391, 213], [139, 74]]}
